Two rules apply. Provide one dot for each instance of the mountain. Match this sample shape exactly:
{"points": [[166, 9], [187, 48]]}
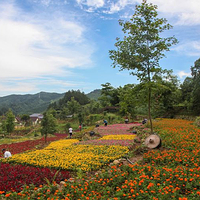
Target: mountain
{"points": [[28, 103], [35, 103], [95, 94]]}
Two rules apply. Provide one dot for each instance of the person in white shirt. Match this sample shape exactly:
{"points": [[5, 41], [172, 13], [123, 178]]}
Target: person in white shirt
{"points": [[6, 153], [70, 132]]}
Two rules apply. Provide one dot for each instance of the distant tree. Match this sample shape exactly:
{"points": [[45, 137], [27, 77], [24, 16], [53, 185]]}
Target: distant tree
{"points": [[81, 116], [109, 95], [3, 129], [128, 100], [10, 122], [142, 46], [92, 107], [64, 112], [48, 124], [166, 95], [79, 96], [196, 87], [25, 117], [186, 89], [73, 106]]}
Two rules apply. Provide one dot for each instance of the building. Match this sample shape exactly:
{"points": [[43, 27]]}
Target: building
{"points": [[36, 118]]}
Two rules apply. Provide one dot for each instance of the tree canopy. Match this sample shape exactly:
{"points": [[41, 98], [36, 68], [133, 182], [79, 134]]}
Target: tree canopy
{"points": [[142, 46]]}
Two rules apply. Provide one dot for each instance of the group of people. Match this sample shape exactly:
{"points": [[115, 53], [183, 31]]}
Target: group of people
{"points": [[71, 130]]}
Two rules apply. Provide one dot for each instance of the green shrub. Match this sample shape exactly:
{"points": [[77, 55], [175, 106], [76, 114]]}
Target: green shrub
{"points": [[197, 122]]}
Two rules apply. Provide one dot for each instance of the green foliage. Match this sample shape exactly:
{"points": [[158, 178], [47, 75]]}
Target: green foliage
{"points": [[196, 87], [67, 126], [197, 122], [27, 104], [142, 47], [109, 95], [94, 95], [10, 122], [78, 96], [73, 106], [48, 124]]}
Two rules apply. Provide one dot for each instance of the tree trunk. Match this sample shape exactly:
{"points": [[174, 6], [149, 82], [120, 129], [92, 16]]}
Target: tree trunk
{"points": [[149, 109], [149, 99], [45, 138]]}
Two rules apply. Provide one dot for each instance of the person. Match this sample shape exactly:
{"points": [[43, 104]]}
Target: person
{"points": [[80, 127], [126, 120], [70, 132], [144, 121], [105, 122], [6, 153]]}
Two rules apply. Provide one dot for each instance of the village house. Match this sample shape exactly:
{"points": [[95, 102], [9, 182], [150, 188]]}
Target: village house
{"points": [[36, 118]]}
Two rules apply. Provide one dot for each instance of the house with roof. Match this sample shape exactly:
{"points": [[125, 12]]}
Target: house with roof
{"points": [[36, 118]]}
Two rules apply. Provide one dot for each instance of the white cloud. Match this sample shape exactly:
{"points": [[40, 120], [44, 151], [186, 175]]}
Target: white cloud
{"points": [[17, 88], [182, 74], [187, 12], [32, 86], [91, 3], [120, 5], [191, 48], [37, 47]]}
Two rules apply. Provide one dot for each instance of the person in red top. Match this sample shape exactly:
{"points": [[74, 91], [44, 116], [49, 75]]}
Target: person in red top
{"points": [[80, 127]]}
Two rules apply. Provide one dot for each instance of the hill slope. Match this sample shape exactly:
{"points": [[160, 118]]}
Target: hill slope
{"points": [[29, 103], [94, 94], [34, 103]]}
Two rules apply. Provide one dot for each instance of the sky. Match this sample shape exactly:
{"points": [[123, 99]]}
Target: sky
{"points": [[60, 45]]}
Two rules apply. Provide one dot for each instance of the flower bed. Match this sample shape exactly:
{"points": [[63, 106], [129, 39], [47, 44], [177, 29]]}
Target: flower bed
{"points": [[116, 129], [13, 177], [118, 137], [106, 142], [20, 147], [63, 155], [170, 174]]}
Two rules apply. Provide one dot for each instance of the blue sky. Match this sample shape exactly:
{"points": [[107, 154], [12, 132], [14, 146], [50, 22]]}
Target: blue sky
{"points": [[59, 45]]}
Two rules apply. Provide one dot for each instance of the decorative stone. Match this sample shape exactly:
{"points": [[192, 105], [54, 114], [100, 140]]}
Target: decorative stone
{"points": [[116, 162]]}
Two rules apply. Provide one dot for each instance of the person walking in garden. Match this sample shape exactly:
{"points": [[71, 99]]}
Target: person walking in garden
{"points": [[105, 122], [6, 154], [70, 132], [80, 127], [126, 120]]}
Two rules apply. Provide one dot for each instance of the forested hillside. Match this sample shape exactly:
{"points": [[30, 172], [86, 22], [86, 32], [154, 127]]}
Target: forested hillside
{"points": [[94, 94], [29, 103], [37, 103]]}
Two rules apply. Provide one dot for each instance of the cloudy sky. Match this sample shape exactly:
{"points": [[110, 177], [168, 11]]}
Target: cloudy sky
{"points": [[59, 45]]}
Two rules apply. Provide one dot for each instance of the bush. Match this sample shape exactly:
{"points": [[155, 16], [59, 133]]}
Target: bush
{"points": [[197, 122]]}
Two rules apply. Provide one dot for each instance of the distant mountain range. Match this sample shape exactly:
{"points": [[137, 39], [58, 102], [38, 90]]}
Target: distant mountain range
{"points": [[34, 103]]}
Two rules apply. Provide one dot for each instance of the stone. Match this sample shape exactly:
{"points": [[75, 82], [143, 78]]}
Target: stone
{"points": [[116, 162]]}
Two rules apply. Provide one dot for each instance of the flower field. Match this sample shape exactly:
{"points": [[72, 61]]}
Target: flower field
{"points": [[20, 147], [170, 173], [84, 157], [14, 177]]}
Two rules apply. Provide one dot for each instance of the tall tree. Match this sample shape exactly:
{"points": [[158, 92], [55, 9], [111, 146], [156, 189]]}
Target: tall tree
{"points": [[109, 95], [196, 87], [186, 93], [10, 122], [73, 106], [48, 125], [142, 46]]}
